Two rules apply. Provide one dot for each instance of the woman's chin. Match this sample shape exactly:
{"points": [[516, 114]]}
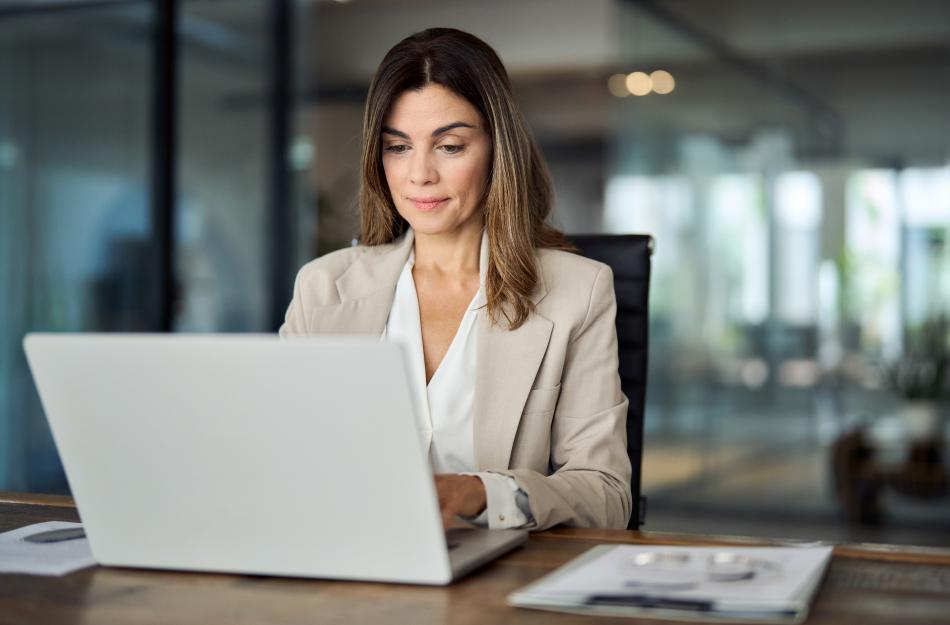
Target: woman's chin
{"points": [[428, 229], [440, 223], [432, 224]]}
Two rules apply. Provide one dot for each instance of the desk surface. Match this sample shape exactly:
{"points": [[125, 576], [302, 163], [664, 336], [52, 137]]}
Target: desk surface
{"points": [[866, 585]]}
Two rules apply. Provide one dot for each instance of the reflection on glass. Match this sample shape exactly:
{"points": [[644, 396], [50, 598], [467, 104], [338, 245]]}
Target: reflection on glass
{"points": [[798, 213], [222, 216], [925, 198], [74, 207], [662, 206], [737, 214], [873, 261]]}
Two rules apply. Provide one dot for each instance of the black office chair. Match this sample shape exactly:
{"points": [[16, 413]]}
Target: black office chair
{"points": [[629, 257]]}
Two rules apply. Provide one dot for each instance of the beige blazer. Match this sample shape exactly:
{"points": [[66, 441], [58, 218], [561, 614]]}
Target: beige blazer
{"points": [[548, 407]]}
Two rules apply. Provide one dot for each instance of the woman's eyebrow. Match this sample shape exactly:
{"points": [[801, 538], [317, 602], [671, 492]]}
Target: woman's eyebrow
{"points": [[435, 133]]}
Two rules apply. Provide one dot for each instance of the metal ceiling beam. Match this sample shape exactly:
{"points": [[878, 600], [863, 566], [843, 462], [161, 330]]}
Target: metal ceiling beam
{"points": [[825, 114]]}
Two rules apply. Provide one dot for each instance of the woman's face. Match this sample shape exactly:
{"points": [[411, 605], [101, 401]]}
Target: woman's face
{"points": [[437, 156]]}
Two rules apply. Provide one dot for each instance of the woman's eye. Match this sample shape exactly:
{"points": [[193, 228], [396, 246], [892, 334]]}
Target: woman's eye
{"points": [[396, 149], [452, 149]]}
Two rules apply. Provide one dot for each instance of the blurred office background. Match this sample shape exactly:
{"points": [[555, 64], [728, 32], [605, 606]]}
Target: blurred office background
{"points": [[166, 166]]}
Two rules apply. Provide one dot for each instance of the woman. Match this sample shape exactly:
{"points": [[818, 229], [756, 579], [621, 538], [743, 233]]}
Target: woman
{"points": [[511, 337]]}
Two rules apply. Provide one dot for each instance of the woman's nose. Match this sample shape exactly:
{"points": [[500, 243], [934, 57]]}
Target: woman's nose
{"points": [[421, 168]]}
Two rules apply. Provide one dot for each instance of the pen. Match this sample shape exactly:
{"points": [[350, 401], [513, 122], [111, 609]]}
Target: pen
{"points": [[648, 601], [56, 536]]}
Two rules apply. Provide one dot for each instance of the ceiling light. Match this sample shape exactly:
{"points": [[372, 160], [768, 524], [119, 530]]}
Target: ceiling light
{"points": [[618, 85], [639, 83], [663, 82]]}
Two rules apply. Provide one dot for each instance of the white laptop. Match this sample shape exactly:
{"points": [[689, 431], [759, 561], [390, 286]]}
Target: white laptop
{"points": [[250, 454]]}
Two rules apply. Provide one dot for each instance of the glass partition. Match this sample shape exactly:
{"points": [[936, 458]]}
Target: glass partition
{"points": [[74, 201]]}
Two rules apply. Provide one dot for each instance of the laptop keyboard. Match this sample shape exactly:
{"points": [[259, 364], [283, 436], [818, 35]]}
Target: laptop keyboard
{"points": [[453, 535]]}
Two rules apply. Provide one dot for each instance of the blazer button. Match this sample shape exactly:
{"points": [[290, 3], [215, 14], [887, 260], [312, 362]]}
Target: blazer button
{"points": [[501, 517]]}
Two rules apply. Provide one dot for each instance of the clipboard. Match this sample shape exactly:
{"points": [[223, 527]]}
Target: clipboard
{"points": [[564, 589]]}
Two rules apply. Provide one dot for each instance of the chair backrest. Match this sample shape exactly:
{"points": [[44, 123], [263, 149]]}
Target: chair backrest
{"points": [[628, 256]]}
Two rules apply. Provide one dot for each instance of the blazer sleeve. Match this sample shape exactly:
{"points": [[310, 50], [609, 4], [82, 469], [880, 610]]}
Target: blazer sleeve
{"points": [[295, 322], [590, 483]]}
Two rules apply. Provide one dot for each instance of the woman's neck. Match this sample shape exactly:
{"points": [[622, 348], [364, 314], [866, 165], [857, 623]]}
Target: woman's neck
{"points": [[455, 253]]}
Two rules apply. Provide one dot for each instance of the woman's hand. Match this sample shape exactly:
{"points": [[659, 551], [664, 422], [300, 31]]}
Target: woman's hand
{"points": [[459, 495]]}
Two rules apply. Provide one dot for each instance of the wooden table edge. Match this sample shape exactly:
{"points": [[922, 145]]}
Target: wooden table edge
{"points": [[916, 554], [36, 499], [867, 551]]}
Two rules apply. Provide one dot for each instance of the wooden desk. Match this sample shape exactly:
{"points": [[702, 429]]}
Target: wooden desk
{"points": [[865, 585]]}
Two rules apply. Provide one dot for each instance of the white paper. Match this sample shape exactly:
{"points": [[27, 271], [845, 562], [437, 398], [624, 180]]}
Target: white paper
{"points": [[782, 580], [59, 558]]}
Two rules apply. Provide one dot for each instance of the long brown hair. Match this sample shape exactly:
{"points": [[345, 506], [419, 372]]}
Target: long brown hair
{"points": [[518, 196]]}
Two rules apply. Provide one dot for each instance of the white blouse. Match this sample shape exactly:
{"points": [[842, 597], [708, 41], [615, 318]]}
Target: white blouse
{"points": [[447, 403]]}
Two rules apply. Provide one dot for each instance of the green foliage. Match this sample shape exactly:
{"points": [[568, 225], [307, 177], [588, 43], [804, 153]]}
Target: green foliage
{"points": [[921, 372]]}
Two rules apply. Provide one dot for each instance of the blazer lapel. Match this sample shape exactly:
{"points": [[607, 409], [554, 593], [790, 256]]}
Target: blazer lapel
{"points": [[361, 316], [506, 367], [366, 292]]}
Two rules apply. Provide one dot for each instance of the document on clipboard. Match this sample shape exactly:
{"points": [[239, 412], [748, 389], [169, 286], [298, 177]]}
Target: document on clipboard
{"points": [[711, 584]]}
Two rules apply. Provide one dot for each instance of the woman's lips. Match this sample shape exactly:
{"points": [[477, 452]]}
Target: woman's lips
{"points": [[428, 203]]}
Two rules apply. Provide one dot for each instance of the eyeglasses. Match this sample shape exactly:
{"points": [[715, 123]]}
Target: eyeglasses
{"points": [[680, 570]]}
